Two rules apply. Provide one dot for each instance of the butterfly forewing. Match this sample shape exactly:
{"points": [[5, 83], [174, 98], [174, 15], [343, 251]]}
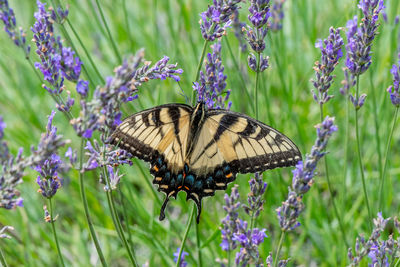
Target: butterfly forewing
{"points": [[159, 131]]}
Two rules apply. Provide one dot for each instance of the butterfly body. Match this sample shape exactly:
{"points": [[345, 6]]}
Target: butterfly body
{"points": [[198, 150]]}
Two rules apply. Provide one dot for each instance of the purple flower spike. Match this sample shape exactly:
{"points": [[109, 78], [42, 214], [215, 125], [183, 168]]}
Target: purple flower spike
{"points": [[394, 89], [217, 18], [255, 197], [303, 176], [213, 81], [182, 263], [10, 27], [378, 251], [331, 52], [229, 226], [48, 179]]}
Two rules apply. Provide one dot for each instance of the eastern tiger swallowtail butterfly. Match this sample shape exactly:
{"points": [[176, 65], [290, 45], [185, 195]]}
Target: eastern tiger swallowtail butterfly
{"points": [[200, 150]]}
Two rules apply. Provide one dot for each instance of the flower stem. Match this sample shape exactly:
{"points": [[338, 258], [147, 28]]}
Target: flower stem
{"points": [[3, 259], [203, 52], [346, 152], [360, 158], [238, 71], [189, 223], [330, 186], [86, 51], [116, 219], [55, 232], [200, 264], [278, 250], [86, 208], [382, 181], [256, 87], [114, 46]]}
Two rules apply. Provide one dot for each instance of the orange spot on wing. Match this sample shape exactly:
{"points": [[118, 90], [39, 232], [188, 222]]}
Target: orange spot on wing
{"points": [[229, 175], [179, 187], [187, 188], [155, 168]]}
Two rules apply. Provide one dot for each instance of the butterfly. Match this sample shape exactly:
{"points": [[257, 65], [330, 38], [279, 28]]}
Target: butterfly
{"points": [[200, 150]]}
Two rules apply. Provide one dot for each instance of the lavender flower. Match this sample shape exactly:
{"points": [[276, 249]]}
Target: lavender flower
{"points": [[255, 197], [259, 15], [48, 180], [10, 27], [182, 262], [331, 50], [213, 82], [103, 111], [394, 89], [229, 227], [249, 239], [303, 177], [4, 153], [114, 177], [217, 18], [359, 42], [378, 251], [277, 15], [57, 62], [105, 156]]}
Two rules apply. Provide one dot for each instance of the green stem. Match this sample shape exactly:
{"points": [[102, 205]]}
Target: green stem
{"points": [[376, 120], [114, 214], [86, 51], [238, 71], [330, 186], [360, 158], [114, 46], [229, 258], [256, 87], [278, 250], [55, 232], [203, 52], [346, 152], [189, 223], [86, 208], [3, 259], [200, 264], [382, 181]]}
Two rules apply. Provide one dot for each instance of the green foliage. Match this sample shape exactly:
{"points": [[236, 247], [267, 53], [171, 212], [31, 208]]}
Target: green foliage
{"points": [[285, 102]]}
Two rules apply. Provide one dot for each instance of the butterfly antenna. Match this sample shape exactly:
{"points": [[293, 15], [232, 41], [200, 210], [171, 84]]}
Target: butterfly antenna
{"points": [[164, 205], [187, 99]]}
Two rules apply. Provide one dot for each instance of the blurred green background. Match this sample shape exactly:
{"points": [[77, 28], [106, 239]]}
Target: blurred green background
{"points": [[170, 27]]}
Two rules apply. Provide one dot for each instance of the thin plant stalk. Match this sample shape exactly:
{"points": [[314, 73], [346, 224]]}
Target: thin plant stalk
{"points": [[99, 76], [86, 208], [3, 259], [376, 122], [189, 223], [203, 52], [330, 187], [114, 46], [200, 264], [278, 249], [256, 87], [360, 158], [382, 180], [52, 221], [117, 221], [346, 152], [239, 72]]}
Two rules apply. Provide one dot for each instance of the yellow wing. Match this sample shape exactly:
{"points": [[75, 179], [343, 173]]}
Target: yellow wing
{"points": [[155, 133], [244, 144]]}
